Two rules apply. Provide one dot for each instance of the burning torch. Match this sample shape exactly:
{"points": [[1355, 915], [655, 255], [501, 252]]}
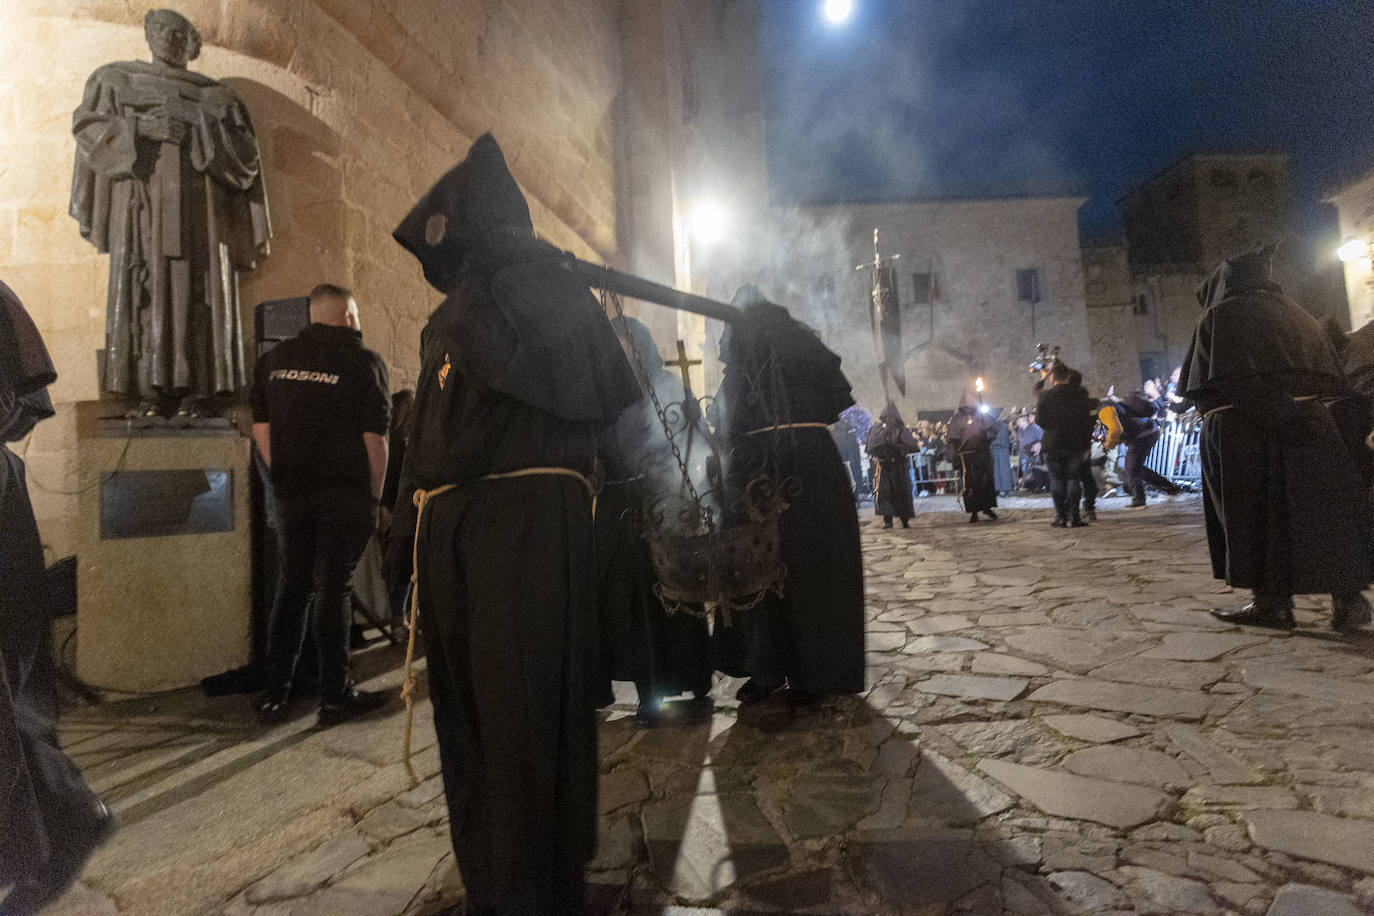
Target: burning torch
{"points": [[978, 386]]}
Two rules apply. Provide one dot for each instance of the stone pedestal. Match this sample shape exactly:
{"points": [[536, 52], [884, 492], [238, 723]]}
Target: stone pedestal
{"points": [[164, 551]]}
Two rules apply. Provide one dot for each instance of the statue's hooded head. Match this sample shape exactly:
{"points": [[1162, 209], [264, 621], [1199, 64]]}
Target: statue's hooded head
{"points": [[171, 37], [476, 201]]}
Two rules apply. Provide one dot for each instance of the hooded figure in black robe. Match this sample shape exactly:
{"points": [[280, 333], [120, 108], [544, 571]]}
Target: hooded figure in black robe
{"points": [[781, 389], [971, 434], [889, 442], [519, 372], [1284, 507], [50, 822], [664, 654], [1004, 481]]}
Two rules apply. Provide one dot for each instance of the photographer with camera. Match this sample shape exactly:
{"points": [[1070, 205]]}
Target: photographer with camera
{"points": [[1067, 414]]}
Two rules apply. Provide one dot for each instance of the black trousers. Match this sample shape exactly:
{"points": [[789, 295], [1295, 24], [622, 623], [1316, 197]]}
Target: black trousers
{"points": [[1065, 482], [1137, 475], [1088, 479], [322, 536]]}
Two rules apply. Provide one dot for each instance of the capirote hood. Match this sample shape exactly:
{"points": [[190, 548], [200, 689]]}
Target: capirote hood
{"points": [[1250, 270], [969, 402], [477, 198], [891, 416]]}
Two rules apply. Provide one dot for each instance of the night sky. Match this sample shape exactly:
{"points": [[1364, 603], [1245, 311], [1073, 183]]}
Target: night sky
{"points": [[935, 98]]}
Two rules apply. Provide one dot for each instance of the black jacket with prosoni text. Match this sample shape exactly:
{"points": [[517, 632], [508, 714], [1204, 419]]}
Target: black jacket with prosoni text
{"points": [[320, 391]]}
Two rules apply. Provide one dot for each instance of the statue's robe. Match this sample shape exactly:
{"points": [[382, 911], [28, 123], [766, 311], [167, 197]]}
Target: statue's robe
{"points": [[178, 221], [1285, 510], [889, 443], [43, 799], [970, 439], [664, 654], [779, 374], [519, 372]]}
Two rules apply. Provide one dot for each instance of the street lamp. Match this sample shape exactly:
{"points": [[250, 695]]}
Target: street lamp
{"points": [[709, 221], [1353, 249], [838, 11]]}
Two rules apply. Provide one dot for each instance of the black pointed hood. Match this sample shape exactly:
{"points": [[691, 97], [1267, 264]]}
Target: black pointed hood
{"points": [[478, 198], [1246, 272]]}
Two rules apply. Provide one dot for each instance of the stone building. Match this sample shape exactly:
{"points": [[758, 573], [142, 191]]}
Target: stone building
{"points": [[980, 283], [1355, 212], [1178, 226]]}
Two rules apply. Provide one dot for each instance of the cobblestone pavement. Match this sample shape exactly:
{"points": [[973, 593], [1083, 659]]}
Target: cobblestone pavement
{"points": [[1054, 725]]}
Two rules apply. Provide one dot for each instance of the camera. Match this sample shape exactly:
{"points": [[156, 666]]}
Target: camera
{"points": [[1046, 358]]}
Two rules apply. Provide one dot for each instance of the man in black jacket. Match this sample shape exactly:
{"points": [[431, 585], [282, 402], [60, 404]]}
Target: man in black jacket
{"points": [[321, 408], [1066, 414]]}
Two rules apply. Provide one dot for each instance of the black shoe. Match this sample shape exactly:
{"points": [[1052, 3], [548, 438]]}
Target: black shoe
{"points": [[990, 514], [1350, 613], [1059, 523], [1078, 523], [1090, 514], [352, 704], [887, 524], [756, 689], [71, 851], [1258, 614], [646, 714], [273, 707], [905, 524], [973, 519]]}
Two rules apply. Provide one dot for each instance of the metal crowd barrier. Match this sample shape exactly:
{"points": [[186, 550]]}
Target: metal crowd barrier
{"points": [[925, 472], [1177, 455]]}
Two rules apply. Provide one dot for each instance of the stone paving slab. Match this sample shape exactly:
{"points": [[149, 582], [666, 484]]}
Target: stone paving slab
{"points": [[1112, 803], [1337, 840], [1164, 702], [1087, 727]]}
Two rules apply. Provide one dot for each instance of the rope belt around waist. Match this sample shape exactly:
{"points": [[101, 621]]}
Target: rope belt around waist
{"points": [[782, 426], [1306, 397], [422, 499]]}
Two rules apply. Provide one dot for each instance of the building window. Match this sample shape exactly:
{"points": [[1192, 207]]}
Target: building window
{"points": [[923, 288], [1141, 306], [1028, 285]]}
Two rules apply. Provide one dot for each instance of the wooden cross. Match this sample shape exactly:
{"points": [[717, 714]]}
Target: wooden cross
{"points": [[683, 364]]}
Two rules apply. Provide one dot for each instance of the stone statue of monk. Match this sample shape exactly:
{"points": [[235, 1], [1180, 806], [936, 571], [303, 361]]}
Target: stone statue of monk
{"points": [[168, 181]]}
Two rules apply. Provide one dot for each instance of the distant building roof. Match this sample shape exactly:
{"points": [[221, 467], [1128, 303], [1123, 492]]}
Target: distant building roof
{"points": [[1203, 156]]}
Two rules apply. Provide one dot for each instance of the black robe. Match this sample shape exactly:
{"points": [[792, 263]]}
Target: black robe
{"points": [[43, 800], [889, 443], [664, 654], [1285, 510], [519, 370], [970, 439], [814, 634], [1003, 479]]}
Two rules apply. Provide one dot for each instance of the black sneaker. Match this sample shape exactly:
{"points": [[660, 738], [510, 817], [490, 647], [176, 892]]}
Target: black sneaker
{"points": [[1059, 523], [990, 514], [1078, 523], [351, 705], [273, 708], [1090, 514]]}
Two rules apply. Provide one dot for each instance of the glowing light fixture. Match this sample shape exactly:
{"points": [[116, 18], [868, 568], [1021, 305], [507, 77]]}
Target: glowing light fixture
{"points": [[1353, 250], [838, 11], [709, 221]]}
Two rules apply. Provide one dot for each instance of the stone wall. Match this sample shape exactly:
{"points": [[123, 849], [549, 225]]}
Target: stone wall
{"points": [[975, 326], [1111, 324], [360, 106]]}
